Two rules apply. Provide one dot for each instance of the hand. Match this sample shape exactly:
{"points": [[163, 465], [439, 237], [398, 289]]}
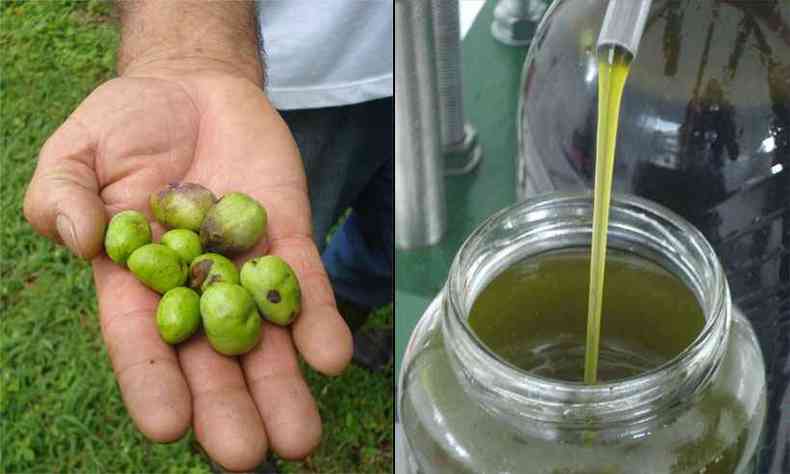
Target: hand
{"points": [[133, 135]]}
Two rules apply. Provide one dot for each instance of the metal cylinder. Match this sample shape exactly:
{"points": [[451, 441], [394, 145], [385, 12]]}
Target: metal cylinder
{"points": [[420, 208], [447, 43], [624, 24], [462, 152]]}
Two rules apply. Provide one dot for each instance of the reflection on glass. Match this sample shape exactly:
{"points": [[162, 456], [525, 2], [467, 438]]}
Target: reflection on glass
{"points": [[704, 130]]}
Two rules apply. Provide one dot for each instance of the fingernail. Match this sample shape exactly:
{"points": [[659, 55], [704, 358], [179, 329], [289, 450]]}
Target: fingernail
{"points": [[67, 233]]}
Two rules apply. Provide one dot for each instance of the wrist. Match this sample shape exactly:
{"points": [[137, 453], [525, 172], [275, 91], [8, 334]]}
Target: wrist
{"points": [[184, 36], [180, 64]]}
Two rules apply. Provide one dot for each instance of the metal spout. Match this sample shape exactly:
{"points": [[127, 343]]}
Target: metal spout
{"points": [[624, 24]]}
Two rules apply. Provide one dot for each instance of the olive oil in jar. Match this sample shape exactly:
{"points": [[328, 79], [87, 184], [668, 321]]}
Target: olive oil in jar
{"points": [[534, 315]]}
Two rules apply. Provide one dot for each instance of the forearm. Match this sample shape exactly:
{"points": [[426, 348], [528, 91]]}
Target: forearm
{"points": [[176, 33]]}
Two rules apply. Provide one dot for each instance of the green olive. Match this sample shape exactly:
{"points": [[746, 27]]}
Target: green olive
{"points": [[127, 232], [178, 315], [158, 267], [231, 322], [233, 225], [211, 268], [182, 205], [274, 287], [184, 242]]}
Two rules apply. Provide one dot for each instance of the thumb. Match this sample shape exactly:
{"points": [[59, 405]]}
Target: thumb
{"points": [[62, 201]]}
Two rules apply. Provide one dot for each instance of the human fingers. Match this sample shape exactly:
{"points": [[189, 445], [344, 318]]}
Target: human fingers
{"points": [[226, 420], [62, 200], [319, 332], [281, 394], [153, 387]]}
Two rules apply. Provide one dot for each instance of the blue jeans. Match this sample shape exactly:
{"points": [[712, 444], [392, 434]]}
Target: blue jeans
{"points": [[348, 154]]}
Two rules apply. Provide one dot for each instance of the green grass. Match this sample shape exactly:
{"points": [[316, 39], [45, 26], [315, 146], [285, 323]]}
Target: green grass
{"points": [[60, 407]]}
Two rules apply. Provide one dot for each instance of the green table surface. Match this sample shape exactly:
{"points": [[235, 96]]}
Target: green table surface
{"points": [[491, 77]]}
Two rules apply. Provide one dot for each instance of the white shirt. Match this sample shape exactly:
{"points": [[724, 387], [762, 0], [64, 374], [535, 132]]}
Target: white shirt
{"points": [[323, 53]]}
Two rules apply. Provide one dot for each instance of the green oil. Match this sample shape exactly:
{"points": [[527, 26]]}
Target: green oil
{"points": [[534, 315], [613, 65]]}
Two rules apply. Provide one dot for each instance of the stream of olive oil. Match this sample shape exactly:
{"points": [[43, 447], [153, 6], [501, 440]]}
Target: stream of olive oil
{"points": [[613, 67]]}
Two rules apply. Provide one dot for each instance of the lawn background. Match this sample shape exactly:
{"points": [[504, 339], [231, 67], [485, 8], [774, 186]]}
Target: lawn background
{"points": [[60, 408]]}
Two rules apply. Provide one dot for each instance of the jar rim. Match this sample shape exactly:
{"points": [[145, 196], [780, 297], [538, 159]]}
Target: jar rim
{"points": [[604, 398]]}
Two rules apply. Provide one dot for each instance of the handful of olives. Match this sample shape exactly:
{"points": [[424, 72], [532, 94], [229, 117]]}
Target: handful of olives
{"points": [[190, 267]]}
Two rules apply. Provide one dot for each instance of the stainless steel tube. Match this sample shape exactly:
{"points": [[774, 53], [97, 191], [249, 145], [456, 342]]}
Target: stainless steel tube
{"points": [[624, 24], [420, 208]]}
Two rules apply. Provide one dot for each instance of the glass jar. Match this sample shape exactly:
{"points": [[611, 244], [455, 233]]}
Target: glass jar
{"points": [[704, 131], [465, 410]]}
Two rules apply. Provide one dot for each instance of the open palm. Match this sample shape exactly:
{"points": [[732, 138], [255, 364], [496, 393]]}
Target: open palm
{"points": [[132, 136]]}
